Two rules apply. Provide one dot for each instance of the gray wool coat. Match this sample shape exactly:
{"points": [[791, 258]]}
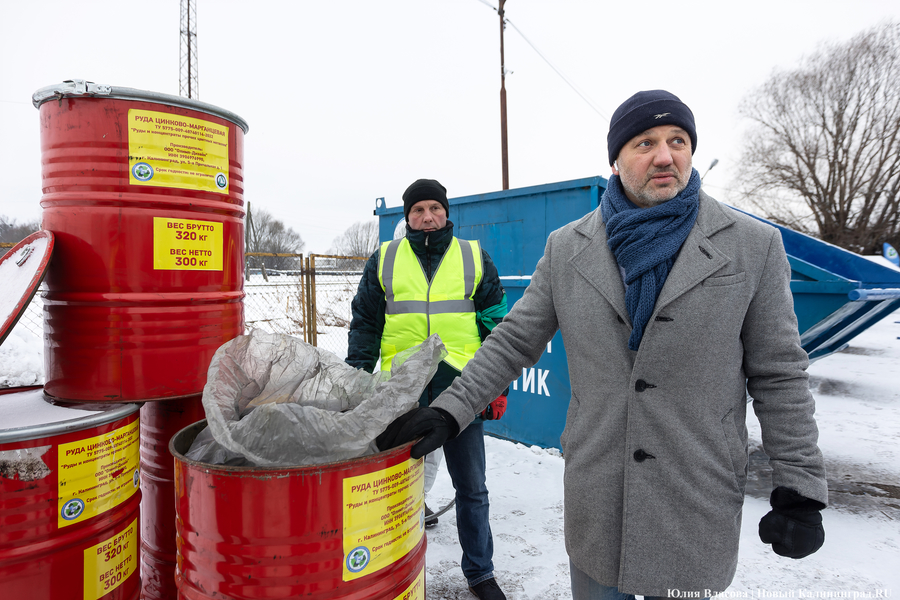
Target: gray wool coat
{"points": [[655, 441]]}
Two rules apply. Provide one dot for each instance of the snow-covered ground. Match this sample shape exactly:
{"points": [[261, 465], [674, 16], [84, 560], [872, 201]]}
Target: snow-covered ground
{"points": [[858, 411]]}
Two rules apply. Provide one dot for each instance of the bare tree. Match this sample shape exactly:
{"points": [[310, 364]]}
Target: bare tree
{"points": [[360, 239], [13, 233], [265, 233], [823, 154]]}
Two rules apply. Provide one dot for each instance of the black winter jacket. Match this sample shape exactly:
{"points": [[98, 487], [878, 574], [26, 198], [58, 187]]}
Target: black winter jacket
{"points": [[368, 306]]}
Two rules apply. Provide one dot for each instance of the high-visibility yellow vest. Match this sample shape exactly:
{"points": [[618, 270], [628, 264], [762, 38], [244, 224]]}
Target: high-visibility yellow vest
{"points": [[417, 308]]}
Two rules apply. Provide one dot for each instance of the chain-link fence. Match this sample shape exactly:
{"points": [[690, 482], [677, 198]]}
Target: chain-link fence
{"points": [[32, 319], [274, 297], [320, 285], [282, 300]]}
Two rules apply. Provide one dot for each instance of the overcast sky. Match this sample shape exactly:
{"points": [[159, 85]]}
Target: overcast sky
{"points": [[352, 100]]}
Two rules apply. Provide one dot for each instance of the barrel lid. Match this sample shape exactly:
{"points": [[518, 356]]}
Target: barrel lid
{"points": [[21, 270], [31, 414], [74, 88]]}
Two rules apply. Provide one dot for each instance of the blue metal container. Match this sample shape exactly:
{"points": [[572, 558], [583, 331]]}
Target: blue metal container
{"points": [[539, 398], [837, 294]]}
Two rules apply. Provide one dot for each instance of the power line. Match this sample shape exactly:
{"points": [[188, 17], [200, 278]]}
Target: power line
{"points": [[552, 66], [560, 73]]}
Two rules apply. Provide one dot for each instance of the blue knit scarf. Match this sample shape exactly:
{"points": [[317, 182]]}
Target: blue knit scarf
{"points": [[645, 242]]}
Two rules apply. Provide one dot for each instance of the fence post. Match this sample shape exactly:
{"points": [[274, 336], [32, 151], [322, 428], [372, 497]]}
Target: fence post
{"points": [[312, 295], [248, 226], [307, 322]]}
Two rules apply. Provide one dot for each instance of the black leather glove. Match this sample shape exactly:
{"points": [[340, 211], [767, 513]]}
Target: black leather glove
{"points": [[434, 425], [794, 525]]}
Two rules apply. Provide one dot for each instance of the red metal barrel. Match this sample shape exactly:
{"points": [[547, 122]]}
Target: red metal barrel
{"points": [[144, 193], [69, 499], [159, 422], [352, 529]]}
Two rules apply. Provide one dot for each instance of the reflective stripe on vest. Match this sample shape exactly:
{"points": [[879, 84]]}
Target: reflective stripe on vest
{"points": [[416, 308]]}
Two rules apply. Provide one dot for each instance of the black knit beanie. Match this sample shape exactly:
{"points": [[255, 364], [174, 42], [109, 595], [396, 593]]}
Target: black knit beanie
{"points": [[643, 111], [424, 189]]}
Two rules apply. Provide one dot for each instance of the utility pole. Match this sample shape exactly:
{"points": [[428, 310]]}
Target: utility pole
{"points": [[503, 142], [189, 76]]}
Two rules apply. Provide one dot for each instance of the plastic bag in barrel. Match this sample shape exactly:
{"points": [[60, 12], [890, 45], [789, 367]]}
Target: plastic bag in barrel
{"points": [[272, 400]]}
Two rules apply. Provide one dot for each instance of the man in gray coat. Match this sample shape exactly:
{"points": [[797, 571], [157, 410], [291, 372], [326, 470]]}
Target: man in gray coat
{"points": [[672, 308]]}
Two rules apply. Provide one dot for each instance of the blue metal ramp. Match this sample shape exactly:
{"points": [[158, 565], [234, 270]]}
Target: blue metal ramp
{"points": [[838, 294]]}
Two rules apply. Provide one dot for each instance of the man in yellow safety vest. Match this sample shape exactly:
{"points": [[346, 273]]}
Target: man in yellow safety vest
{"points": [[432, 282]]}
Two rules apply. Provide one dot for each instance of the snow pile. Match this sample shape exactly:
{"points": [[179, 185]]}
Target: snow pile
{"points": [[21, 359]]}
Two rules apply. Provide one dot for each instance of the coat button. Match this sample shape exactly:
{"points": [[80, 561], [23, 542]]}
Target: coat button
{"points": [[640, 455], [640, 385]]}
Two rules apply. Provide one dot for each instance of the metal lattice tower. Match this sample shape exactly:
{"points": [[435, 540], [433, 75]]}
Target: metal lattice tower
{"points": [[189, 77]]}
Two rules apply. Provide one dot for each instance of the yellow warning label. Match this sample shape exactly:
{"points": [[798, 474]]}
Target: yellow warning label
{"points": [[183, 245], [108, 564], [169, 150], [383, 517], [97, 474], [416, 590]]}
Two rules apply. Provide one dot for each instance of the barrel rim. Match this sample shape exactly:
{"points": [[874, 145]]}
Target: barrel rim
{"points": [[77, 88], [299, 469], [31, 432], [25, 295]]}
